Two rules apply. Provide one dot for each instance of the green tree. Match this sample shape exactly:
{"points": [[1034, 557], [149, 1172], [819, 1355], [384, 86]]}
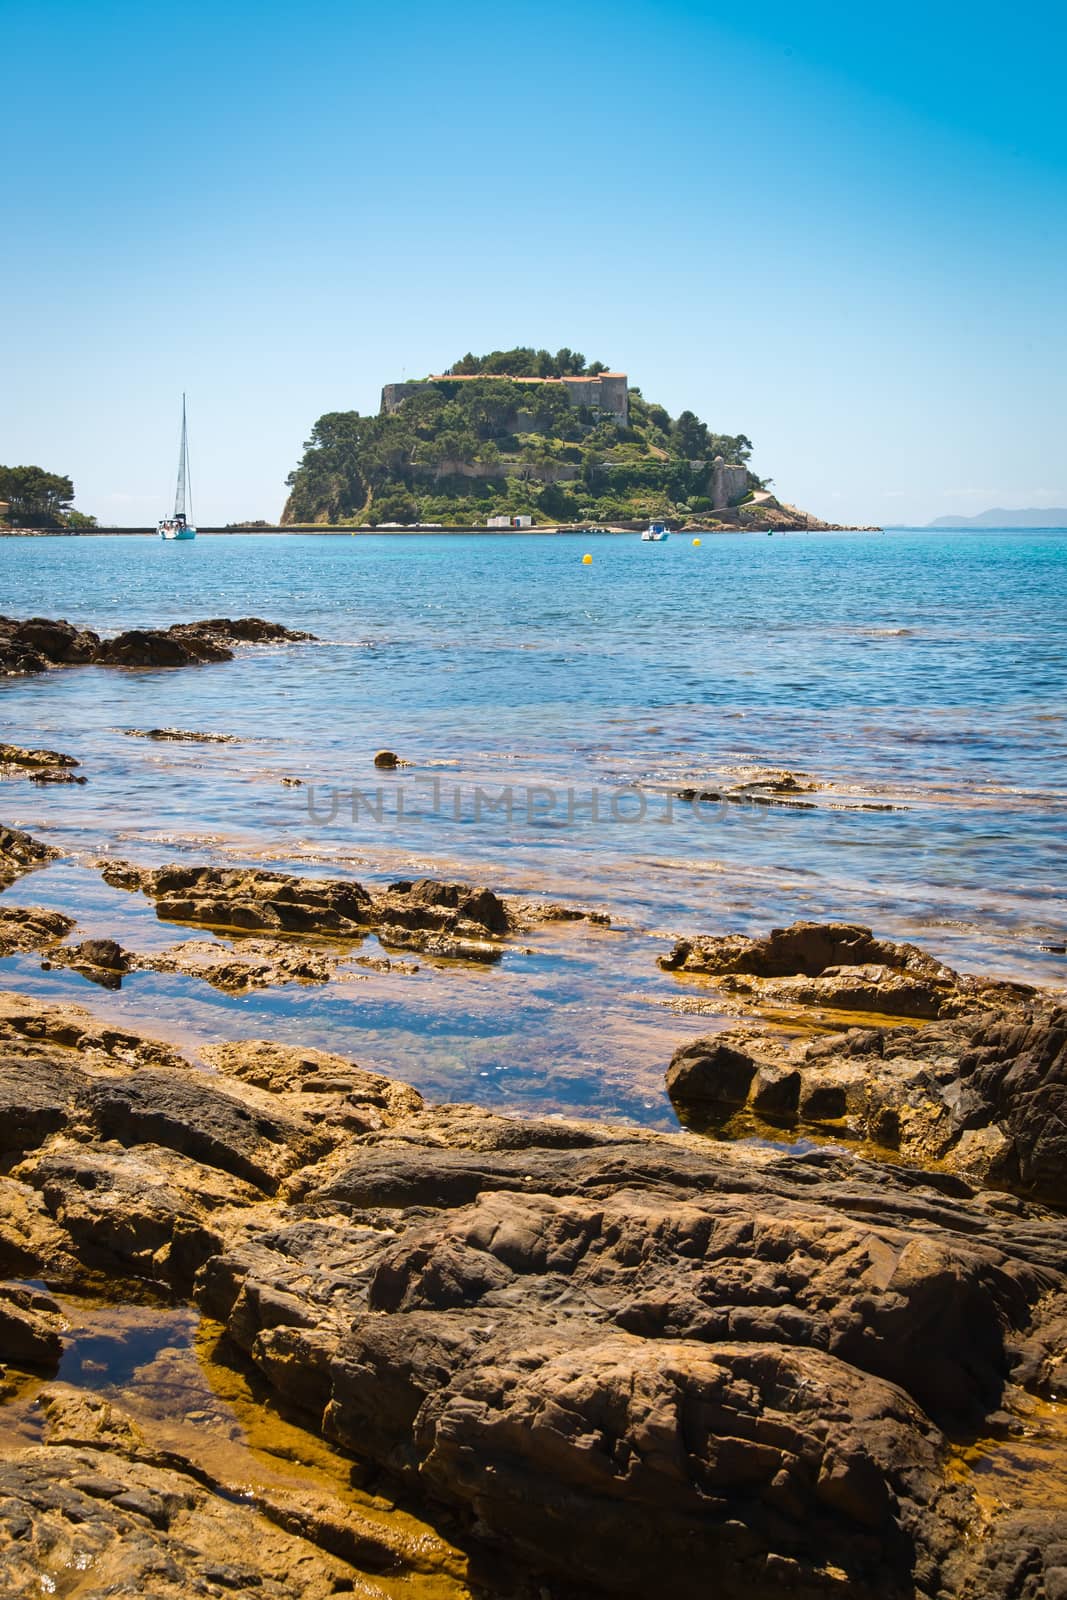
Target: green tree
{"points": [[690, 436], [36, 498], [394, 506], [329, 485], [389, 465]]}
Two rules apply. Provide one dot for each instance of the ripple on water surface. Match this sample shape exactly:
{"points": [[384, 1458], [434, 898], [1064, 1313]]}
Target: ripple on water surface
{"points": [[919, 672]]}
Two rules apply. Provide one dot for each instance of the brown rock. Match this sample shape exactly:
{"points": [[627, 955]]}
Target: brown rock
{"points": [[31, 1327], [16, 755], [638, 1363], [445, 919], [56, 775], [710, 1072], [102, 961], [20, 853], [30, 927], [128, 1527], [246, 964], [986, 1097], [37, 644], [241, 630], [250, 899], [72, 1037], [246, 1137], [426, 903], [180, 735], [839, 966], [154, 647]]}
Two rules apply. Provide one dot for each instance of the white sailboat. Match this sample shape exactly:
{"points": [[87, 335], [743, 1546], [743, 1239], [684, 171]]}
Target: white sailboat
{"points": [[179, 526]]}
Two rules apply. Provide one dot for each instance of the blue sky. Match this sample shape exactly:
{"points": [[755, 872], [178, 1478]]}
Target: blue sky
{"points": [[838, 228]]}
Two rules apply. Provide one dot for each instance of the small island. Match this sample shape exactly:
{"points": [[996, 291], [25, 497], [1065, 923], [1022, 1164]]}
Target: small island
{"points": [[523, 438]]}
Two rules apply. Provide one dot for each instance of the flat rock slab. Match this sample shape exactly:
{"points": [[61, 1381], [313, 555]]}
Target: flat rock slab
{"points": [[838, 966], [246, 964], [128, 1527], [451, 920]]}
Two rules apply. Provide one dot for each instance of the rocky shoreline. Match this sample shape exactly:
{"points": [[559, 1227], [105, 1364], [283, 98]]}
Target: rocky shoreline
{"points": [[40, 643], [595, 1360]]}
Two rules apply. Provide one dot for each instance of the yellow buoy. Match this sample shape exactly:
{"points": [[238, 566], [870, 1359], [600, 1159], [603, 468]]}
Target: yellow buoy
{"points": [[587, 560], [696, 542]]}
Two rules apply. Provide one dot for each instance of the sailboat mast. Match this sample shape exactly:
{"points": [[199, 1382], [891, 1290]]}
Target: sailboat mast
{"points": [[183, 469]]}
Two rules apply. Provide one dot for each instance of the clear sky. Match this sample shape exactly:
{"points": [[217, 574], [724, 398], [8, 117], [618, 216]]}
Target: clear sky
{"points": [[839, 228]]}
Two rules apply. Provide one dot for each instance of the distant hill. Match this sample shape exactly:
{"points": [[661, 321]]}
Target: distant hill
{"points": [[1034, 517], [520, 433]]}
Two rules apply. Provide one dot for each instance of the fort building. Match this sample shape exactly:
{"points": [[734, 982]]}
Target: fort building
{"points": [[607, 393]]}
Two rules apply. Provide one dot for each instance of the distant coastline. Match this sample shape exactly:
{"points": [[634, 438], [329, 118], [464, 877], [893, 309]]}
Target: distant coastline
{"points": [[1032, 517]]}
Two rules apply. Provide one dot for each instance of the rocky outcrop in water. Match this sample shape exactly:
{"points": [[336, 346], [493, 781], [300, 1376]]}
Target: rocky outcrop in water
{"points": [[180, 736], [102, 961], [840, 966], [30, 927], [246, 964], [985, 1097], [39, 643], [20, 853], [40, 766], [637, 1363], [453, 920]]}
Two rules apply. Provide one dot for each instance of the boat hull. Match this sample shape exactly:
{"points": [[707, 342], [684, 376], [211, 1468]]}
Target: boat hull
{"points": [[172, 532]]}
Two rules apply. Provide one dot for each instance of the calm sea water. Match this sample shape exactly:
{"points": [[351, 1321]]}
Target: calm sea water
{"points": [[549, 710]]}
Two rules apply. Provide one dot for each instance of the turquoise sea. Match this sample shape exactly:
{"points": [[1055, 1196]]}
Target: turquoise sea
{"points": [[549, 711]]}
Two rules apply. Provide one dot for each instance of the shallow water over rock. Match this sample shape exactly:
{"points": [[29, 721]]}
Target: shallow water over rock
{"points": [[162, 1387]]}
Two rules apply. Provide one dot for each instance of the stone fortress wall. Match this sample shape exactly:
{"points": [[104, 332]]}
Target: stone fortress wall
{"points": [[607, 394], [728, 484]]}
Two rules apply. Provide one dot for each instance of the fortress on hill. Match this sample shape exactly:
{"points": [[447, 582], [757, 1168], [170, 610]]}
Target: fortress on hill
{"points": [[607, 394]]}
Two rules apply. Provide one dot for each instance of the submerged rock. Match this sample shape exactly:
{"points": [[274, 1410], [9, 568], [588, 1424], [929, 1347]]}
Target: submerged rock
{"points": [[246, 963], [180, 735], [56, 775], [840, 966]]}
